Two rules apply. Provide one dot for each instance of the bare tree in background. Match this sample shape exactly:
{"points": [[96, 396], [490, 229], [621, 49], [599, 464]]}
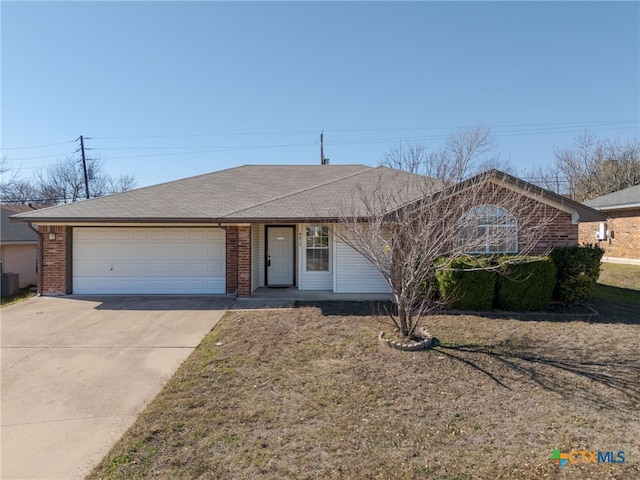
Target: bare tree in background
{"points": [[591, 167], [594, 168], [63, 182], [13, 188], [466, 152], [403, 240]]}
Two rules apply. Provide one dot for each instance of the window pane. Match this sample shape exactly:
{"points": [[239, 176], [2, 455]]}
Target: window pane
{"points": [[489, 228], [317, 260], [317, 248]]}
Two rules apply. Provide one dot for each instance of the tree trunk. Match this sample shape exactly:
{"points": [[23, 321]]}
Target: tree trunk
{"points": [[402, 315]]}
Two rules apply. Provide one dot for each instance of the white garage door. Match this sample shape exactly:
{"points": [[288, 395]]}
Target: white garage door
{"points": [[148, 260]]}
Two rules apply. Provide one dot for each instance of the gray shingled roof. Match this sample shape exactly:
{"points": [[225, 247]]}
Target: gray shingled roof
{"points": [[14, 232], [626, 198], [250, 192], [260, 193]]}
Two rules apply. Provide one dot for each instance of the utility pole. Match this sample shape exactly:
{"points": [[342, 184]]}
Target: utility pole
{"points": [[84, 166]]}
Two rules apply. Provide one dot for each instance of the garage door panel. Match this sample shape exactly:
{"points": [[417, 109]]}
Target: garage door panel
{"points": [[148, 260], [140, 235], [158, 235], [122, 235], [216, 268], [100, 235]]}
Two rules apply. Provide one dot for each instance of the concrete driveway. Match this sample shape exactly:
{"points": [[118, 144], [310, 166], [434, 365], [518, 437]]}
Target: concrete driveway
{"points": [[76, 372]]}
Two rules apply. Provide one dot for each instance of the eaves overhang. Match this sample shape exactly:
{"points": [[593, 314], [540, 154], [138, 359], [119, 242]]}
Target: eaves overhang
{"points": [[88, 221]]}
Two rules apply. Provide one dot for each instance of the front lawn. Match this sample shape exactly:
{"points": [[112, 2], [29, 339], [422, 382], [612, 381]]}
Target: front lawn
{"points": [[309, 393]]}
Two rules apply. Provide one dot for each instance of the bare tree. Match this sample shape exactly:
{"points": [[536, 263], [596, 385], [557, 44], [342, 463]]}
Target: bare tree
{"points": [[403, 239], [592, 167], [61, 182], [13, 188], [547, 177], [18, 190], [64, 182], [107, 184], [466, 152]]}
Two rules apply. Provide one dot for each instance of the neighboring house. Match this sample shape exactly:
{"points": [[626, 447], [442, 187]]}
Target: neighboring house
{"points": [[234, 231], [620, 235], [18, 246]]}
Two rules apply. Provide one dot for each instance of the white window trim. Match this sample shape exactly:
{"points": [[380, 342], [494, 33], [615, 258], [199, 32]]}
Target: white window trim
{"points": [[487, 226], [328, 248]]}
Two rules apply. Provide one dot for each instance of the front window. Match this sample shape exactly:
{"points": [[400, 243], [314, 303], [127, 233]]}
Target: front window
{"points": [[489, 229], [318, 249]]}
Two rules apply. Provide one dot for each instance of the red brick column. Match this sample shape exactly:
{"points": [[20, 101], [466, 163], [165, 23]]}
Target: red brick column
{"points": [[56, 260], [244, 261], [232, 259]]}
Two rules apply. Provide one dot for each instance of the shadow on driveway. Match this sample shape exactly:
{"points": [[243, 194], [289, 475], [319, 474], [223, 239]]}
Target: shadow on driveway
{"points": [[158, 302]]}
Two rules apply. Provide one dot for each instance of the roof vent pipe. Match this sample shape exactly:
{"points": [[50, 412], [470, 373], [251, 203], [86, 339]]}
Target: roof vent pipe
{"points": [[323, 159]]}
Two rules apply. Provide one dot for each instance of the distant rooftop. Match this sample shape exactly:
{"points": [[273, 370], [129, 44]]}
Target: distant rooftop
{"points": [[626, 198], [16, 232]]}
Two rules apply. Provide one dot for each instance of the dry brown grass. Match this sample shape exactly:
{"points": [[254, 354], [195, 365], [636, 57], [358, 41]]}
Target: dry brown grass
{"points": [[309, 393], [620, 275]]}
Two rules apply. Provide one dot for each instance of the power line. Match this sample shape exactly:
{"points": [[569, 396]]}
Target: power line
{"points": [[38, 146], [448, 128], [40, 157], [546, 126], [515, 130]]}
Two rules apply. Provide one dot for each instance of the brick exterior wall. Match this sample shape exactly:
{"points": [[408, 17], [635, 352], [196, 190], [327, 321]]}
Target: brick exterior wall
{"points": [[239, 260], [232, 259], [244, 261], [625, 243], [56, 260], [560, 233]]}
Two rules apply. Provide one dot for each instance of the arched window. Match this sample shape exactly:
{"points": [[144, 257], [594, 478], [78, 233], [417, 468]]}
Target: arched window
{"points": [[489, 229]]}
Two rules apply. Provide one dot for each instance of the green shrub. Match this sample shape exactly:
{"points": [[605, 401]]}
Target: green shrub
{"points": [[525, 286], [463, 288], [578, 269]]}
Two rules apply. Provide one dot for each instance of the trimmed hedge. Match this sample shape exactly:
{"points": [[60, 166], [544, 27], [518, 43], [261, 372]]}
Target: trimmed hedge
{"points": [[526, 286], [578, 271], [463, 288]]}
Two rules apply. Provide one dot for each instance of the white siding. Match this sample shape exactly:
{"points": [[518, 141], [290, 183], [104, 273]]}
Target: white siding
{"points": [[257, 256], [354, 273], [312, 280]]}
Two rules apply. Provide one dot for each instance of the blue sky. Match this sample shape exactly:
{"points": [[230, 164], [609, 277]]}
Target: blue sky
{"points": [[166, 90]]}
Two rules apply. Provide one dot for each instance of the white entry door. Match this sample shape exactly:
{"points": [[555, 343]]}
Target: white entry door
{"points": [[279, 256]]}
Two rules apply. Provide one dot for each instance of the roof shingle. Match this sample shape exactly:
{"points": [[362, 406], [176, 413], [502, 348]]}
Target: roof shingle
{"points": [[13, 232], [626, 198], [248, 192]]}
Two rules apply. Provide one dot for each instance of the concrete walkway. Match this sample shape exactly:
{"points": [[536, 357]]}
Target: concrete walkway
{"points": [[77, 371]]}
